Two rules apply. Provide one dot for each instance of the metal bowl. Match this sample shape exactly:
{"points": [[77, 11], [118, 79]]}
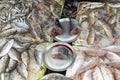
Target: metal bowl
{"points": [[65, 36], [59, 63], [55, 76]]}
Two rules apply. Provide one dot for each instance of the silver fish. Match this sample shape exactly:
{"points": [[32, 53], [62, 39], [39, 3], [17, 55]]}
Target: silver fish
{"points": [[4, 62], [24, 39], [7, 32], [14, 55], [25, 58], [11, 66], [22, 70], [38, 57], [5, 76], [6, 48]]}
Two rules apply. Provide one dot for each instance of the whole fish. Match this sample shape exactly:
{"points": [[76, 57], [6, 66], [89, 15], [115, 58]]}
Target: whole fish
{"points": [[2, 42], [113, 48], [112, 56], [8, 32], [11, 65], [4, 62], [77, 64], [5, 76], [97, 75], [88, 75], [24, 38], [6, 47], [38, 57], [22, 70], [25, 58], [115, 64], [14, 55], [106, 73], [91, 37]]}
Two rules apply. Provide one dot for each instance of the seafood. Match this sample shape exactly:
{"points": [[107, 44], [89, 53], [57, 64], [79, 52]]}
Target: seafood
{"points": [[14, 55], [117, 74], [6, 48], [11, 66], [4, 61], [25, 58], [97, 75]]}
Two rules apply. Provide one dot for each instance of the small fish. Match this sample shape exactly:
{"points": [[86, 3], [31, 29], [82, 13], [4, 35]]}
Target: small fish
{"points": [[22, 70], [56, 29], [112, 56], [91, 18], [77, 64], [2, 42], [113, 48], [117, 74], [14, 55], [88, 65], [11, 66], [88, 75], [117, 5], [7, 32], [25, 58], [112, 19], [24, 39], [38, 57], [5, 76], [108, 31], [106, 73], [6, 48], [8, 26], [3, 63], [97, 75], [91, 37], [115, 64]]}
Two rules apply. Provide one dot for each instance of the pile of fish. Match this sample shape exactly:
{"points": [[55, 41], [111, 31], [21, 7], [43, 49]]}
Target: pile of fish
{"points": [[23, 37], [100, 23], [96, 63], [98, 46]]}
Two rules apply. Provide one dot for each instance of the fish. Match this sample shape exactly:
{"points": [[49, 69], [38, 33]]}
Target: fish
{"points": [[88, 75], [21, 69], [11, 65], [2, 42], [15, 55], [24, 39], [91, 37], [117, 5], [25, 58], [8, 26], [5, 76], [55, 29], [8, 32], [97, 74], [112, 19], [88, 65], [112, 56], [115, 64], [113, 48], [117, 74], [4, 62], [80, 58], [106, 73], [6, 47], [108, 31], [38, 57]]}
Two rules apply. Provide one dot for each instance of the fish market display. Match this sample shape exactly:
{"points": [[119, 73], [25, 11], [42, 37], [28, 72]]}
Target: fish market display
{"points": [[23, 37], [97, 47]]}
